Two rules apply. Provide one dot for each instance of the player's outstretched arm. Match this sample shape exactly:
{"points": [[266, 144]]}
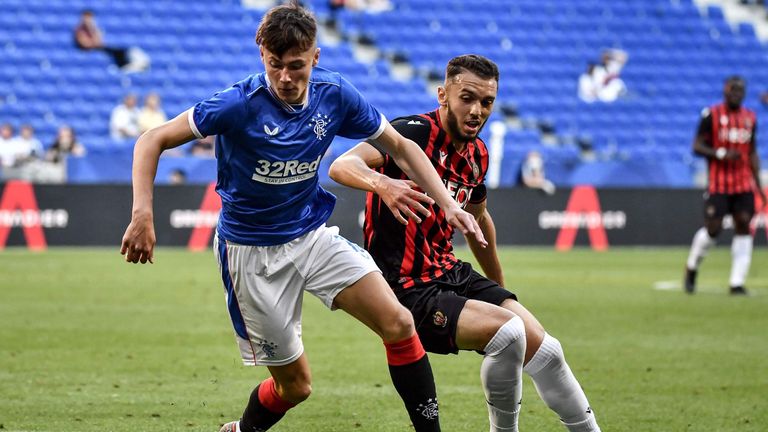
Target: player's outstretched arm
{"points": [[754, 161], [415, 164], [355, 169], [486, 256], [139, 239]]}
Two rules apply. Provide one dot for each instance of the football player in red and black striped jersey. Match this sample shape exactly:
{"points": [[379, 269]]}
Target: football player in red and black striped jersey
{"points": [[454, 307], [726, 137]]}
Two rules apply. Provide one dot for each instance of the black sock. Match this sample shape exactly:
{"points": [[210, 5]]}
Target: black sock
{"points": [[416, 386], [256, 417]]}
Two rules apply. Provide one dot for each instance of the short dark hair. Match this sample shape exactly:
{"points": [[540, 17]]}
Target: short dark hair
{"points": [[734, 79], [477, 64], [286, 27]]}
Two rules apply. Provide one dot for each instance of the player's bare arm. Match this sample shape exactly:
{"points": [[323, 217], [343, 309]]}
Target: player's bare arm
{"points": [[486, 256], [415, 164], [355, 169], [139, 239], [754, 160]]}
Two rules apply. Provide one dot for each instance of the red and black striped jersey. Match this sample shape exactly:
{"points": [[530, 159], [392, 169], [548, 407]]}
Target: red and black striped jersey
{"points": [[723, 127], [417, 253]]}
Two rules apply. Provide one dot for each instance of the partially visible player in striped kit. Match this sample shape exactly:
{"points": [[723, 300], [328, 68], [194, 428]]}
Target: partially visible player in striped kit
{"points": [[726, 137], [454, 307]]}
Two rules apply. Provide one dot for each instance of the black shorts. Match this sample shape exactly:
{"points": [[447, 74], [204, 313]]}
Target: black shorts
{"points": [[718, 205], [436, 306]]}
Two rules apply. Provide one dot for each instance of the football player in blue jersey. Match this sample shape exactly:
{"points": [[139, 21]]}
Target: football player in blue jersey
{"points": [[271, 241]]}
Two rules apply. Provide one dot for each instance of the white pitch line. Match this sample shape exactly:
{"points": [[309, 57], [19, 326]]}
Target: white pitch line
{"points": [[667, 285]]}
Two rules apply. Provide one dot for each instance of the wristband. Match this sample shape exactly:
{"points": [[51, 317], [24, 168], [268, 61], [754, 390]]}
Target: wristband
{"points": [[720, 153]]}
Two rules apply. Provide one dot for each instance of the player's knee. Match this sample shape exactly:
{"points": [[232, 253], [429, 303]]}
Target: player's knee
{"points": [[741, 224], [399, 326], [296, 391], [714, 230], [510, 335]]}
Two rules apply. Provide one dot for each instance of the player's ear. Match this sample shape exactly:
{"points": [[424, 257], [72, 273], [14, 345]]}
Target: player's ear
{"points": [[316, 57], [442, 96]]}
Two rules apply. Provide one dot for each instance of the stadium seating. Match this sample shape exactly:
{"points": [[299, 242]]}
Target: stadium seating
{"points": [[677, 62]]}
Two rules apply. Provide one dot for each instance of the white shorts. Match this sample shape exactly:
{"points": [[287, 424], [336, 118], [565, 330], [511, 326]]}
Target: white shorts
{"points": [[265, 286]]}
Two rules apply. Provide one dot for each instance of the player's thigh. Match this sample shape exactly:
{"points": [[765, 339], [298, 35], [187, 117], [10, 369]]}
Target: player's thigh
{"points": [[264, 301], [742, 210], [478, 323], [371, 301], [534, 331], [343, 275], [716, 206]]}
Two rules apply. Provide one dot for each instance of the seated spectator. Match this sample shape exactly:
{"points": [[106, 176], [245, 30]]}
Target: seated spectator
{"points": [[16, 151], [124, 121], [204, 147], [65, 145], [602, 81], [607, 75], [151, 114], [177, 177], [29, 141], [588, 87], [88, 36], [532, 173]]}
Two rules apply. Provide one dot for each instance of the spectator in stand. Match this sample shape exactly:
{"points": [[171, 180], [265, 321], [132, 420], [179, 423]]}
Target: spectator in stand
{"points": [[204, 147], [606, 75], [7, 151], [532, 173], [177, 177], [152, 113], [588, 87], [88, 36], [124, 121], [17, 151], [65, 145], [29, 142]]}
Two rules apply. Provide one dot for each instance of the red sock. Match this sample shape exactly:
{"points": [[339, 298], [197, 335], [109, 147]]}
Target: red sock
{"points": [[405, 352], [271, 400]]}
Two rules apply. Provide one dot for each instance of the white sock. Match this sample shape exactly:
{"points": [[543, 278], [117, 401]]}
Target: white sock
{"points": [[558, 387], [502, 375], [699, 247], [741, 254]]}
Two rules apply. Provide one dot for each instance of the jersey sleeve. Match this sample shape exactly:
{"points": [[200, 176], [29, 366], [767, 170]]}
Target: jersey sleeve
{"points": [[479, 194], [361, 119], [219, 114], [705, 126], [414, 128]]}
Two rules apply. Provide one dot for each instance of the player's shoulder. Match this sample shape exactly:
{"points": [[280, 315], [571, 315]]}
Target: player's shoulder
{"points": [[323, 77], [414, 121], [253, 85]]}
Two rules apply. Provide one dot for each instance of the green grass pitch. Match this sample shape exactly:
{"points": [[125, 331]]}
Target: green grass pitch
{"points": [[91, 343]]}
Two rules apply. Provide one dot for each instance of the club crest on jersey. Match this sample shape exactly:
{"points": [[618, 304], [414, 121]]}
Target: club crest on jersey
{"points": [[475, 170], [319, 123], [440, 319], [723, 120]]}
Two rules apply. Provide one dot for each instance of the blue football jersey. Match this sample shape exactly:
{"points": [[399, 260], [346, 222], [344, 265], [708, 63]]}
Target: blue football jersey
{"points": [[268, 153]]}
